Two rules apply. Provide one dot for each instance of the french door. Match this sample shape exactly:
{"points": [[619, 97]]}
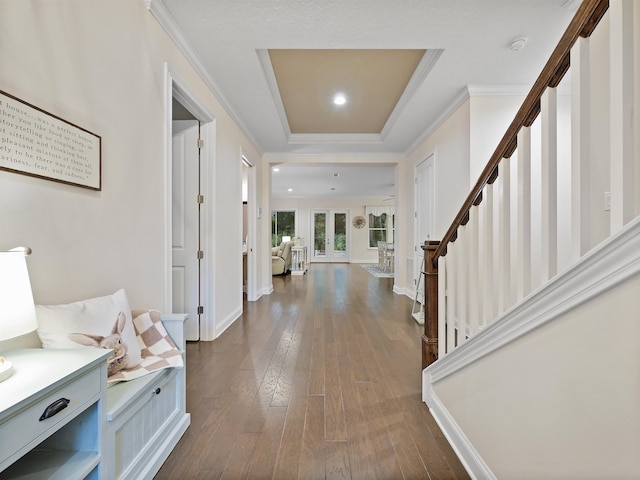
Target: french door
{"points": [[330, 236]]}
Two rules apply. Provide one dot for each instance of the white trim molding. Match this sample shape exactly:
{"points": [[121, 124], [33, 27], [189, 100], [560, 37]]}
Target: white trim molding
{"points": [[462, 446], [423, 69], [160, 12], [465, 94]]}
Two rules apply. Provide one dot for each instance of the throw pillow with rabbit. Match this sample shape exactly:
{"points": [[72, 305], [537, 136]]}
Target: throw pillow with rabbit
{"points": [[119, 360]]}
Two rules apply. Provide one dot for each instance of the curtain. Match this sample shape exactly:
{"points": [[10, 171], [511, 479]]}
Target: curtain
{"points": [[377, 210]]}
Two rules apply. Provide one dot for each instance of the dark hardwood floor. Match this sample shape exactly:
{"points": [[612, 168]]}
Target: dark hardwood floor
{"points": [[320, 379]]}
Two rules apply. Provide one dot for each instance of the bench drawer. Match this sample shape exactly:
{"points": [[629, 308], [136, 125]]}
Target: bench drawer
{"points": [[26, 426]]}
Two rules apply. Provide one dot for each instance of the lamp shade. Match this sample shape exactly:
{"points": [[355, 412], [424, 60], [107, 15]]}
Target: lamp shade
{"points": [[17, 311]]}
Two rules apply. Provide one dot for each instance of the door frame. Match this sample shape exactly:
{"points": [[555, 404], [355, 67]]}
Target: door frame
{"points": [[252, 230], [185, 136], [431, 158], [176, 88]]}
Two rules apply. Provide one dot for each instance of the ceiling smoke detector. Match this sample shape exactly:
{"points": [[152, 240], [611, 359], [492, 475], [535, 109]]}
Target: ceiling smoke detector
{"points": [[518, 44]]}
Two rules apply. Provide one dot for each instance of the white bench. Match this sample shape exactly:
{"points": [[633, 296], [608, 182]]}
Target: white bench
{"points": [[147, 416]]}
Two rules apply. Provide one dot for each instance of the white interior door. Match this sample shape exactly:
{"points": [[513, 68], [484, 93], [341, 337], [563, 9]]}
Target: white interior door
{"points": [[329, 236], [186, 224], [425, 210]]}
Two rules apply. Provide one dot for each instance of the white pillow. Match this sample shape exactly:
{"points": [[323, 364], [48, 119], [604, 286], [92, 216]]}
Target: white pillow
{"points": [[96, 317]]}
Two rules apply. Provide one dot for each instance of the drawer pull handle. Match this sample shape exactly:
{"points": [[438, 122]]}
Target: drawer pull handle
{"points": [[54, 408], [157, 391]]}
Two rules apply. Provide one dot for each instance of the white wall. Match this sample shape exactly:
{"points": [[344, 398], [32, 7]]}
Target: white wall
{"points": [[599, 139], [450, 146], [101, 65], [560, 402], [490, 116]]}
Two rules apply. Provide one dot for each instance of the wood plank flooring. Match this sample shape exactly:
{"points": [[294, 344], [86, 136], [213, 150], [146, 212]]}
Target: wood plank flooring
{"points": [[319, 380]]}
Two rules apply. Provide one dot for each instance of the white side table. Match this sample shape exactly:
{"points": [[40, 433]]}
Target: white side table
{"points": [[299, 260]]}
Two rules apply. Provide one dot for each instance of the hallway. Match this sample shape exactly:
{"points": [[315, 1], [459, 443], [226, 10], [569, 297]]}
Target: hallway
{"points": [[320, 379]]}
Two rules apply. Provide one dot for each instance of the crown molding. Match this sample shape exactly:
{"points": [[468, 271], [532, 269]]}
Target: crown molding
{"points": [[355, 157], [325, 138], [423, 69], [160, 12], [465, 94], [272, 82], [498, 90], [456, 103]]}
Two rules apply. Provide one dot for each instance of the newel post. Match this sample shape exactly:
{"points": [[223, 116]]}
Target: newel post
{"points": [[430, 336]]}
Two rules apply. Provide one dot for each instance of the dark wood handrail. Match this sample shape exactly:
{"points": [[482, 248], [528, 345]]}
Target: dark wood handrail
{"points": [[584, 22]]}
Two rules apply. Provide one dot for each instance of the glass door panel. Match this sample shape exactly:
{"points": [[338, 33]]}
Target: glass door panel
{"points": [[340, 235], [319, 235]]}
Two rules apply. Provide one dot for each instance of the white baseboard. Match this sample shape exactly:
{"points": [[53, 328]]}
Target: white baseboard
{"points": [[265, 291], [462, 446], [227, 322], [407, 292]]}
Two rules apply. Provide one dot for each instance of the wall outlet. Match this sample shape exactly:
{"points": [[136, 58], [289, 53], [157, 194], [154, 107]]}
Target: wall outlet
{"points": [[607, 201]]}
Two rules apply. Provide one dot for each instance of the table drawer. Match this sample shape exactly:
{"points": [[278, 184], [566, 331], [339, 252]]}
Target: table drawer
{"points": [[26, 428]]}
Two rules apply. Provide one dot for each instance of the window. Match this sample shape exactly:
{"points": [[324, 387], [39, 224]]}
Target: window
{"points": [[283, 223], [381, 225]]}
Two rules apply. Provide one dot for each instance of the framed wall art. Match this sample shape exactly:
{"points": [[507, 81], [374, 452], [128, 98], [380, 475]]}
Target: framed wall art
{"points": [[36, 143]]}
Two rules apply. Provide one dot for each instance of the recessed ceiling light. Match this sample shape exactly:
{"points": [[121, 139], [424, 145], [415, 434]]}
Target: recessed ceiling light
{"points": [[276, 169], [339, 99], [290, 190]]}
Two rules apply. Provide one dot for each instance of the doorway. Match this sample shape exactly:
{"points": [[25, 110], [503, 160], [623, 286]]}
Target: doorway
{"points": [[186, 268], [249, 231], [330, 236], [425, 210], [197, 289]]}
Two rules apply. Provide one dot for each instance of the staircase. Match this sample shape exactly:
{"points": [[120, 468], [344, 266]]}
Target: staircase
{"points": [[531, 351]]}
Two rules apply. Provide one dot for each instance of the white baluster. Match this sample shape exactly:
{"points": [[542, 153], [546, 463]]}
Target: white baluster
{"points": [[462, 278], [473, 257], [549, 178], [621, 120], [505, 299], [452, 296], [524, 213], [580, 151], [490, 298], [442, 305]]}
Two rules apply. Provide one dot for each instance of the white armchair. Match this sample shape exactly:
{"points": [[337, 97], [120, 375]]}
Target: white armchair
{"points": [[281, 258]]}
